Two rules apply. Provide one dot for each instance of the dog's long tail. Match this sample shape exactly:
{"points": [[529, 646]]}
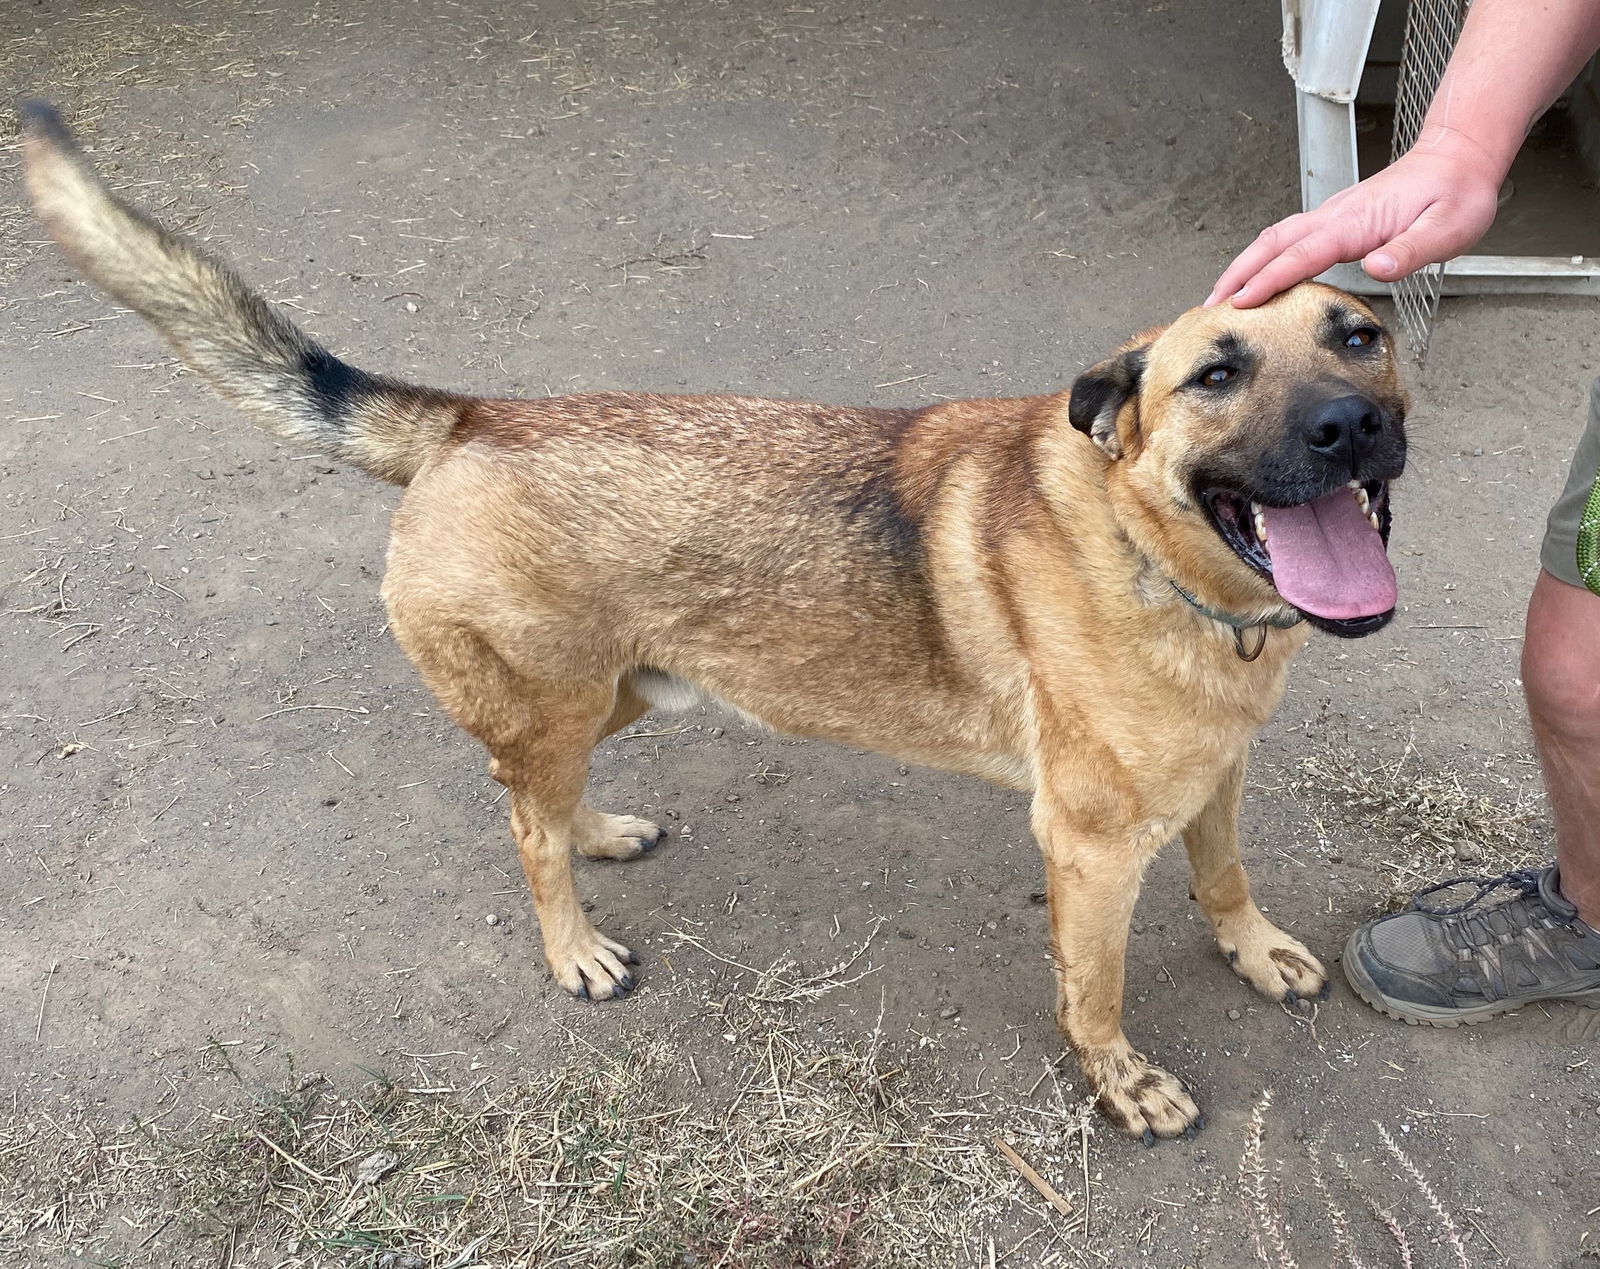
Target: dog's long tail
{"points": [[244, 347]]}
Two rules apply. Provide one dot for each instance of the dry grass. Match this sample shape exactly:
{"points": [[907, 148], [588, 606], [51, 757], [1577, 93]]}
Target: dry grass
{"points": [[1409, 1225], [1420, 824], [784, 982], [89, 59], [791, 1152]]}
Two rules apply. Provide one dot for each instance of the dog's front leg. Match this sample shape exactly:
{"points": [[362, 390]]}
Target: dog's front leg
{"points": [[1274, 963], [1093, 882]]}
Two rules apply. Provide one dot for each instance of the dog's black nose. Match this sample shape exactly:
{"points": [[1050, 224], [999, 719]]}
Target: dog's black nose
{"points": [[1344, 430]]}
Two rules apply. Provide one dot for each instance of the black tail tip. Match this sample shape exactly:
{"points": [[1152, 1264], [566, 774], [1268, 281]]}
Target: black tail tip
{"points": [[42, 119]]}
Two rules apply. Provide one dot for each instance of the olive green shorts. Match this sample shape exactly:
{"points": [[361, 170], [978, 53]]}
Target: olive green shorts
{"points": [[1571, 548]]}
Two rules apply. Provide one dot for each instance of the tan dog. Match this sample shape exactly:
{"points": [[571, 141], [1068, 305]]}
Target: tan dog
{"points": [[1093, 597]]}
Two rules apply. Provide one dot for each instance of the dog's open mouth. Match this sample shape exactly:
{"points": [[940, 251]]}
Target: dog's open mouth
{"points": [[1328, 557]]}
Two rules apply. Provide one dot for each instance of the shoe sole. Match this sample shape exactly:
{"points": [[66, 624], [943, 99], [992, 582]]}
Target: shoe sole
{"points": [[1416, 1015]]}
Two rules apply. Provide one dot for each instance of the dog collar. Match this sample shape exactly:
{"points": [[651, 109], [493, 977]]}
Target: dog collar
{"points": [[1238, 624]]}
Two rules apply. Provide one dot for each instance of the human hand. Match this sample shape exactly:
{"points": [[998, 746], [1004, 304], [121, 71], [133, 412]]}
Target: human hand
{"points": [[1430, 204]]}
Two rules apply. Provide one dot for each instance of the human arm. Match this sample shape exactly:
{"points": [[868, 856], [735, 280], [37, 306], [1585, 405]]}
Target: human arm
{"points": [[1513, 59]]}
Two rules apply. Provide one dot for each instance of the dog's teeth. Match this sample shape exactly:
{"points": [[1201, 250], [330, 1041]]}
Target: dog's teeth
{"points": [[1364, 502], [1372, 519], [1260, 522], [1354, 484]]}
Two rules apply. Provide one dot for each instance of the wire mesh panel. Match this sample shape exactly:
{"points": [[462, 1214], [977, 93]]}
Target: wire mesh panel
{"points": [[1432, 28]]}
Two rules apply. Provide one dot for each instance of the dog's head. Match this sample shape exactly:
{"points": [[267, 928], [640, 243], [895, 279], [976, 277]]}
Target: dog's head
{"points": [[1252, 452]]}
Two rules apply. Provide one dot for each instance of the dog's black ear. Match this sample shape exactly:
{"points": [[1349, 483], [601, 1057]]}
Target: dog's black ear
{"points": [[1099, 394]]}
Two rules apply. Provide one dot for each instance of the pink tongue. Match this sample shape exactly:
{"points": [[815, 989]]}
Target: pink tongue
{"points": [[1328, 559]]}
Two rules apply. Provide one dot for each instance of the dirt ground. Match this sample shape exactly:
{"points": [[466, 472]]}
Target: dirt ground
{"points": [[239, 843]]}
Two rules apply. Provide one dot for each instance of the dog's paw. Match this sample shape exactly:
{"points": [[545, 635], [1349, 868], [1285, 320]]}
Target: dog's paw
{"points": [[593, 967], [1141, 1099], [601, 836], [1276, 965]]}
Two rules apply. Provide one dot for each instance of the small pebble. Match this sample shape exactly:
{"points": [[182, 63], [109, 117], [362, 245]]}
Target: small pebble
{"points": [[411, 306], [492, 919], [1234, 1015], [949, 1011]]}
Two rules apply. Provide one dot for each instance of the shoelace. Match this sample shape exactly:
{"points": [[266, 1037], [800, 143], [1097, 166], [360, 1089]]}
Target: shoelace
{"points": [[1525, 881]]}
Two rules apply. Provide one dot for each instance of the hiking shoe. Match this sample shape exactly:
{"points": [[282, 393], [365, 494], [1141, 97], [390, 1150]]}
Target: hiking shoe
{"points": [[1449, 965]]}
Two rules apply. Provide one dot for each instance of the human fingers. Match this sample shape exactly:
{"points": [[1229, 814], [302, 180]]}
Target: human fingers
{"points": [[1328, 244], [1444, 230], [1268, 244]]}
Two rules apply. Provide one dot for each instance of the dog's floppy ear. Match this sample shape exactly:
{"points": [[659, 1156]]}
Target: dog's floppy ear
{"points": [[1101, 391]]}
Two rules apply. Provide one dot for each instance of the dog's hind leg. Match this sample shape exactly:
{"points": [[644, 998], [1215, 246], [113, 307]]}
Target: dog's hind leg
{"points": [[601, 836], [540, 736], [1272, 962], [1093, 882]]}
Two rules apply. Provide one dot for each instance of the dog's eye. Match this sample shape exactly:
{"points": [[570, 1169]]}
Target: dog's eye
{"points": [[1361, 337], [1215, 376]]}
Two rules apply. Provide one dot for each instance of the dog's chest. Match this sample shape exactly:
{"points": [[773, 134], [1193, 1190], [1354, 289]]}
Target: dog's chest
{"points": [[1178, 778]]}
